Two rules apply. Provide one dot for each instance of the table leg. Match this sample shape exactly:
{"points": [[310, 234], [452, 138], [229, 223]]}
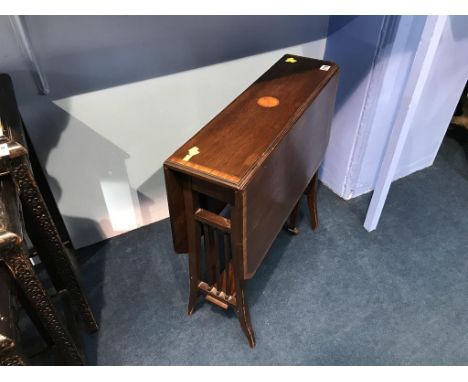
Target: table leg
{"points": [[242, 311], [311, 193], [237, 248], [292, 221], [191, 200]]}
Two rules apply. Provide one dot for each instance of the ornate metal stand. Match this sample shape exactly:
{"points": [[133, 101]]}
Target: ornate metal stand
{"points": [[14, 255], [9, 353], [39, 223]]}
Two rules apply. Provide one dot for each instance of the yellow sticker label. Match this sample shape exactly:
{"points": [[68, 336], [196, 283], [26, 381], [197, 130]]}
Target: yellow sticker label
{"points": [[191, 152], [291, 60]]}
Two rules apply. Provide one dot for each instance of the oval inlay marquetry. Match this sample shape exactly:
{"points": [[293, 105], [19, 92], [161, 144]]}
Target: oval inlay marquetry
{"points": [[268, 101]]}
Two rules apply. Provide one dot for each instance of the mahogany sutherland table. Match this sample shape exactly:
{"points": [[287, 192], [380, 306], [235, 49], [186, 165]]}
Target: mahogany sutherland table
{"points": [[237, 181]]}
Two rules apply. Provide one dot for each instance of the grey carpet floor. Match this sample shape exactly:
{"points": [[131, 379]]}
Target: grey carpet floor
{"points": [[337, 296]]}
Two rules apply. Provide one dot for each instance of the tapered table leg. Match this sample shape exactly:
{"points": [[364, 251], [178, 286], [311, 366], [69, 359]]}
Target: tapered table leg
{"points": [[292, 221], [311, 193], [193, 234], [237, 247], [242, 311]]}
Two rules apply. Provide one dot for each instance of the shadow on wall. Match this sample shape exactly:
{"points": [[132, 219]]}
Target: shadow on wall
{"points": [[355, 43], [91, 169], [459, 30], [352, 44]]}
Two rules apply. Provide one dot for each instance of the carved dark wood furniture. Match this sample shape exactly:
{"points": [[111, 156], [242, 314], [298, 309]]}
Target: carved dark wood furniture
{"points": [[10, 355], [15, 256], [41, 227], [240, 178]]}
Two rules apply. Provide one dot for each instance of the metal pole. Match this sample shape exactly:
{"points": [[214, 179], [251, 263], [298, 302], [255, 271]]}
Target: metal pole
{"points": [[23, 39]]}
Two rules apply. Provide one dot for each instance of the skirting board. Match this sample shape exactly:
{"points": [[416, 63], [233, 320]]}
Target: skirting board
{"points": [[401, 173]]}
